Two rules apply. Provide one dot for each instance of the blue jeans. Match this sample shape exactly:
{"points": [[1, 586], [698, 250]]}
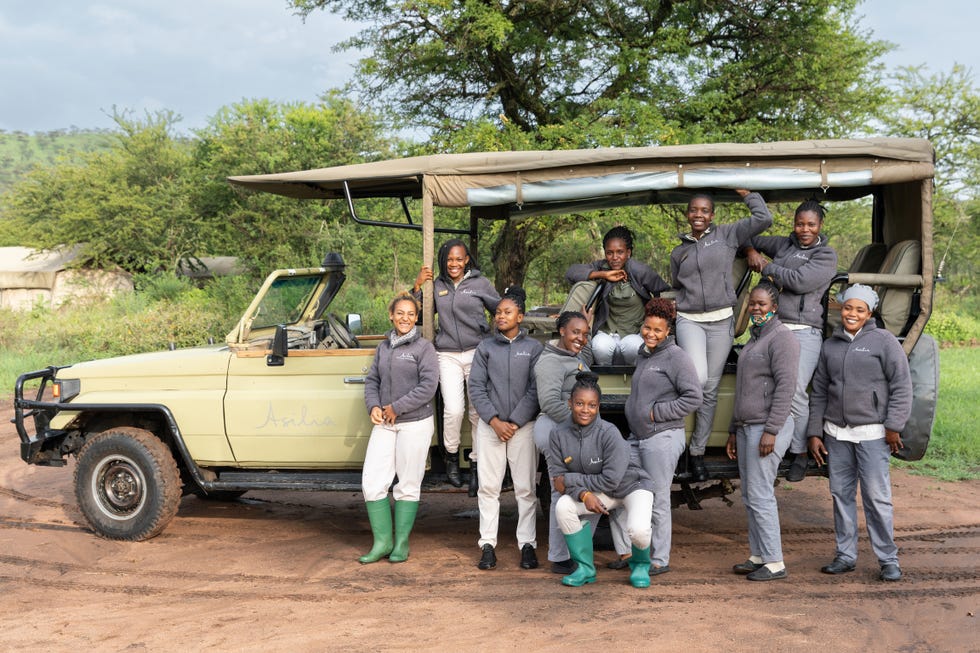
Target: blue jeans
{"points": [[708, 344], [866, 463]]}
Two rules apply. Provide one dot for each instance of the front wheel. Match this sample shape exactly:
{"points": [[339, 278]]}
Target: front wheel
{"points": [[127, 484]]}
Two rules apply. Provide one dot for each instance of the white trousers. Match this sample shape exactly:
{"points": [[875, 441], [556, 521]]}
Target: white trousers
{"points": [[400, 449], [638, 505], [454, 374], [520, 453]]}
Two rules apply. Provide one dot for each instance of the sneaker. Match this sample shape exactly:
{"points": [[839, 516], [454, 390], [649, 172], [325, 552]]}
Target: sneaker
{"points": [[489, 558], [891, 572], [838, 566], [529, 559], [797, 470], [746, 567], [763, 573]]}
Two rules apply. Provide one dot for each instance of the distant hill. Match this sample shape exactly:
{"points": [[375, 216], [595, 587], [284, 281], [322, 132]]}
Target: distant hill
{"points": [[19, 151]]}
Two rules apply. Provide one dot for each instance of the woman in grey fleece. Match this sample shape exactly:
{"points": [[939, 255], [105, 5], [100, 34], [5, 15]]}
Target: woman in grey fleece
{"points": [[398, 393], [762, 427], [701, 270], [589, 464], [859, 403], [665, 389], [803, 264]]}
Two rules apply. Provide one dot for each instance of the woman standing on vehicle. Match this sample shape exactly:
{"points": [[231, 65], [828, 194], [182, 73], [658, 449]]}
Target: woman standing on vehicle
{"points": [[803, 264], [859, 404], [398, 393], [701, 269], [502, 390], [761, 428], [628, 286], [589, 464], [665, 389], [554, 377], [462, 297]]}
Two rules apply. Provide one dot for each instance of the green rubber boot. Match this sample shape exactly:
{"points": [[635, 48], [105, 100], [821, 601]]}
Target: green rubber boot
{"points": [[405, 512], [379, 514], [580, 548], [640, 567]]}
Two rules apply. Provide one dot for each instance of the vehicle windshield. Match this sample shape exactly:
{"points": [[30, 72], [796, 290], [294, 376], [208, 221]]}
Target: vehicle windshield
{"points": [[285, 301]]}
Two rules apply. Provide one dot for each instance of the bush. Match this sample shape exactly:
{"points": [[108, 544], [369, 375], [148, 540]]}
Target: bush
{"points": [[951, 329]]}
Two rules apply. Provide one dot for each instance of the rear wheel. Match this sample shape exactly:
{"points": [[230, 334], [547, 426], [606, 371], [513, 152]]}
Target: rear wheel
{"points": [[127, 484]]}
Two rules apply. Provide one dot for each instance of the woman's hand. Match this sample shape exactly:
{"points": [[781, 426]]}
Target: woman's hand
{"points": [[592, 504], [389, 415], [742, 192], [377, 417], [559, 483], [894, 440], [730, 448], [613, 276], [766, 444], [504, 430], [425, 274], [755, 260], [817, 450]]}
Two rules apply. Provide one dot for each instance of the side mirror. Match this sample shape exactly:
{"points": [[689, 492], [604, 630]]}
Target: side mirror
{"points": [[354, 323], [280, 348]]}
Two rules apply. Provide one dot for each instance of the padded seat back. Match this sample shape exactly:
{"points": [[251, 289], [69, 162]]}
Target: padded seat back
{"points": [[895, 304]]}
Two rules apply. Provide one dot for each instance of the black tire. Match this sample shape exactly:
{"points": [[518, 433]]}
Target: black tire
{"points": [[127, 484]]}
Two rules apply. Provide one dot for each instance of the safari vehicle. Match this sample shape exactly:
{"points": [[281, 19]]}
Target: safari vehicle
{"points": [[280, 404]]}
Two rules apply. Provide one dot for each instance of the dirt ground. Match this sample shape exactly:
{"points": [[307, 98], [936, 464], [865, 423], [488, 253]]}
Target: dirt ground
{"points": [[277, 571]]}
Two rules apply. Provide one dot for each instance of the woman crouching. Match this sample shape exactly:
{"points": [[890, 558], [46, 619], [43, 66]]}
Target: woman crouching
{"points": [[398, 392], [589, 462], [762, 428]]}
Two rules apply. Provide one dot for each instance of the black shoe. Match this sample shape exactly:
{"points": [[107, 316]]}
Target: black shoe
{"points": [[529, 559], [619, 563], [890, 572], [763, 573], [838, 566], [474, 482], [746, 567], [797, 470], [563, 567], [489, 558], [508, 483], [452, 470], [698, 470]]}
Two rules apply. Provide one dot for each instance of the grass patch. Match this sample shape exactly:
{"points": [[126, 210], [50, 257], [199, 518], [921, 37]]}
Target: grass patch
{"points": [[954, 448]]}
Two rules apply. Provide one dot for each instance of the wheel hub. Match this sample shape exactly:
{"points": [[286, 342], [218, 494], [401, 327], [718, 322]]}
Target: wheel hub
{"points": [[121, 486]]}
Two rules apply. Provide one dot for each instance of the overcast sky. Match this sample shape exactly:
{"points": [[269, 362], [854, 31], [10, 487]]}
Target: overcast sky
{"points": [[66, 63]]}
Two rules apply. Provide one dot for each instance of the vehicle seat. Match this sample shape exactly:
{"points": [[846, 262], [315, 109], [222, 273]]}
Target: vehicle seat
{"points": [[895, 304], [868, 259], [741, 277]]}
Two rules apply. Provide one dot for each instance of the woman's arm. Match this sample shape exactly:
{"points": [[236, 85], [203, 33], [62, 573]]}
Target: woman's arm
{"points": [[812, 276], [428, 381], [478, 385], [689, 390]]}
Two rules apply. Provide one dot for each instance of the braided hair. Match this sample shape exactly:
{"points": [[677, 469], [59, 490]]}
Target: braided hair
{"points": [[812, 205], [769, 287], [619, 233], [566, 317], [586, 380], [517, 295], [443, 257]]}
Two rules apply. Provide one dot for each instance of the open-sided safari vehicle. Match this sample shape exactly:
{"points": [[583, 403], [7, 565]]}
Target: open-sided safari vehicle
{"points": [[280, 404]]}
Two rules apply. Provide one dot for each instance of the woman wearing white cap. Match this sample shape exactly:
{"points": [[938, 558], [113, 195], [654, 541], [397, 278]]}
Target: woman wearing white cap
{"points": [[860, 400]]}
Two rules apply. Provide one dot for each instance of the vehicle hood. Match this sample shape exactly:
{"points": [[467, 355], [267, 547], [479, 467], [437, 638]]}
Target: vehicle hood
{"points": [[183, 369]]}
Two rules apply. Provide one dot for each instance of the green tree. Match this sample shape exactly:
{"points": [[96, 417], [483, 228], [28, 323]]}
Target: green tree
{"points": [[576, 73]]}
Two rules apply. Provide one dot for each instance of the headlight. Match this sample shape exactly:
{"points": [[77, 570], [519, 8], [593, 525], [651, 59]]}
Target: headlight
{"points": [[66, 389]]}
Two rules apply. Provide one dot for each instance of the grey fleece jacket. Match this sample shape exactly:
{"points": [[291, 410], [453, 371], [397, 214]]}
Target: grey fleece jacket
{"points": [[645, 283], [766, 379], [861, 381], [804, 274], [665, 389], [594, 458], [462, 318], [502, 378], [554, 376], [405, 377], [701, 270]]}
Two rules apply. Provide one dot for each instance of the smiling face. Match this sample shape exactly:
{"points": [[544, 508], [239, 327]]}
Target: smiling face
{"points": [[508, 317], [617, 253], [403, 316], [700, 213], [806, 226], [584, 403], [854, 313], [654, 330], [760, 303], [574, 335], [456, 262]]}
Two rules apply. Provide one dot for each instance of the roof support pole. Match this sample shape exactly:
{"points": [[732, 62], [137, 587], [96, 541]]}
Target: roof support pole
{"points": [[428, 254]]}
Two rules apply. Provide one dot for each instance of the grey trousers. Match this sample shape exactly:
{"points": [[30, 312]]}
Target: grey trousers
{"points": [[758, 475], [658, 456], [708, 345], [866, 463], [811, 340], [557, 548]]}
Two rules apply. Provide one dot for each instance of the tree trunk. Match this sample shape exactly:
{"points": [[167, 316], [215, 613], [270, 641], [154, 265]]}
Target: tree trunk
{"points": [[511, 256]]}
